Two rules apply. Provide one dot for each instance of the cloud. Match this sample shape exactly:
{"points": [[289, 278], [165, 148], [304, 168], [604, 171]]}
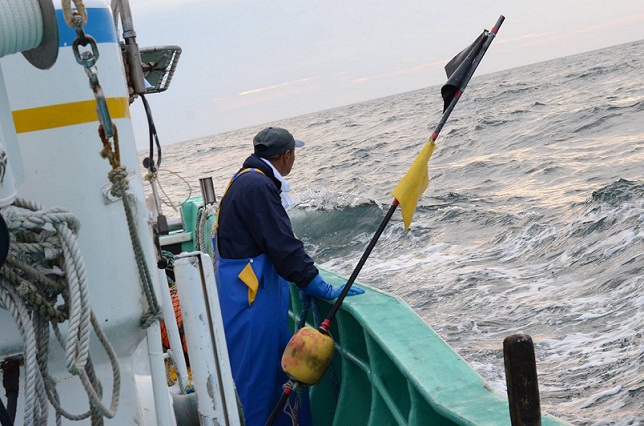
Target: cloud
{"points": [[417, 69], [558, 37], [524, 37], [230, 104], [615, 23], [275, 86]]}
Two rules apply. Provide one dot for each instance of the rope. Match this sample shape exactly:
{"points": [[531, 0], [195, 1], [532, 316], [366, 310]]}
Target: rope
{"points": [[118, 178], [21, 26], [90, 382], [170, 370], [292, 410], [30, 294], [200, 232], [172, 377], [74, 19], [172, 364], [45, 265], [31, 283], [33, 393], [77, 297], [167, 200]]}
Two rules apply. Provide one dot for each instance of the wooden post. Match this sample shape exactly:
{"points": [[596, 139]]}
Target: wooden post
{"points": [[521, 380]]}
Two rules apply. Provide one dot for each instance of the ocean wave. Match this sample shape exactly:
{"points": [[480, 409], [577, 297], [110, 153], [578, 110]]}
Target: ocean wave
{"points": [[594, 122], [626, 105], [618, 192], [591, 72], [319, 123], [327, 200]]}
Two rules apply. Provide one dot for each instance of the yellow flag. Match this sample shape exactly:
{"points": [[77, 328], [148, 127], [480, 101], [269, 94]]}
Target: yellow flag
{"points": [[248, 277], [414, 183]]}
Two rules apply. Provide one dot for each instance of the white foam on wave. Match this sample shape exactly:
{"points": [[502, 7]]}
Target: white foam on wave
{"points": [[436, 255], [325, 199], [531, 237], [492, 374], [591, 315], [620, 241], [609, 392]]}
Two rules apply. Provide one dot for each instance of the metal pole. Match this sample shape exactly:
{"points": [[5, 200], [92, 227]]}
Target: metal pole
{"points": [[132, 53], [207, 191]]}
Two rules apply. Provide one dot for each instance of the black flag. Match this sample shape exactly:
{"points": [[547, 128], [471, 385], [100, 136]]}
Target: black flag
{"points": [[459, 67]]}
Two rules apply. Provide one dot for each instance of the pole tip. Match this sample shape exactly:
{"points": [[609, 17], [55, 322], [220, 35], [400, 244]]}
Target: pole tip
{"points": [[326, 325]]}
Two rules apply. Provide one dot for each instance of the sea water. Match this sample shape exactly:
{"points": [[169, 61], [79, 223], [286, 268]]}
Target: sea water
{"points": [[533, 220]]}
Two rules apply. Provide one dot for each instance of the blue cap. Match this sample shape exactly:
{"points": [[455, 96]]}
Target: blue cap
{"points": [[274, 141]]}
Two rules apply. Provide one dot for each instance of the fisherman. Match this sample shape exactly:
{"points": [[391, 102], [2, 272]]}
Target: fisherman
{"points": [[257, 256]]}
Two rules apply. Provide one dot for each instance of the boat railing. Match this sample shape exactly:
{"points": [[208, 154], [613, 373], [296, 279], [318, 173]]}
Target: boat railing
{"points": [[390, 367]]}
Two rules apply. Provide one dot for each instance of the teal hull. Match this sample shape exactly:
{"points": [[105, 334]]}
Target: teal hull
{"points": [[393, 369]]}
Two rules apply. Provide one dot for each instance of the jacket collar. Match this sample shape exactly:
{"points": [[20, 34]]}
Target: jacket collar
{"points": [[256, 161]]}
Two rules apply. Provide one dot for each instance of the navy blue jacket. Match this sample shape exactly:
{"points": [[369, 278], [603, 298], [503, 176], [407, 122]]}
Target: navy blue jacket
{"points": [[252, 221]]}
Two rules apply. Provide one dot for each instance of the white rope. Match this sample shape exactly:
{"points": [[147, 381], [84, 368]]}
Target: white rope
{"points": [[21, 26], [200, 231], [153, 177], [29, 289], [33, 379], [75, 19]]}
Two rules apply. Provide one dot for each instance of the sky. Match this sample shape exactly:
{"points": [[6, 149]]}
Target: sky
{"points": [[249, 63]]}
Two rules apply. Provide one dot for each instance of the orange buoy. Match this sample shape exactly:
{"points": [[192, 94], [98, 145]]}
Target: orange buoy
{"points": [[308, 355]]}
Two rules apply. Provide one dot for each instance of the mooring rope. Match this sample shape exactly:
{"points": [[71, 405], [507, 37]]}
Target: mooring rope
{"points": [[119, 178]]}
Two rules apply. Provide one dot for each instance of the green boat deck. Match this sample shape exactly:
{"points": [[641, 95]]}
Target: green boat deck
{"points": [[393, 369]]}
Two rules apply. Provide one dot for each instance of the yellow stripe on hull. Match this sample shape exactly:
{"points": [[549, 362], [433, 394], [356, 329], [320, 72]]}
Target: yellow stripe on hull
{"points": [[52, 116]]}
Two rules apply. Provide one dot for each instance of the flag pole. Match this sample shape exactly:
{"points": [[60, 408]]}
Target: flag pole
{"points": [[326, 324], [467, 78]]}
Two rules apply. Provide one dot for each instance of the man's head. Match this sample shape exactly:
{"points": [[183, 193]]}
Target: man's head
{"points": [[278, 146]]}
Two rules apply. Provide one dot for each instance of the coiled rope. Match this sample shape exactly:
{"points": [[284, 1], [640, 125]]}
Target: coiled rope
{"points": [[21, 26], [35, 410], [45, 265], [203, 214]]}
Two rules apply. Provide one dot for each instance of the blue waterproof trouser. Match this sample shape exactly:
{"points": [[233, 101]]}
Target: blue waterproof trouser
{"points": [[256, 335]]}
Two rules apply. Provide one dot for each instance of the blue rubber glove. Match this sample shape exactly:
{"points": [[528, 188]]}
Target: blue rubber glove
{"points": [[320, 288]]}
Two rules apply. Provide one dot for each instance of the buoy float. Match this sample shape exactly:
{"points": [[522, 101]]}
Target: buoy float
{"points": [[308, 355]]}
